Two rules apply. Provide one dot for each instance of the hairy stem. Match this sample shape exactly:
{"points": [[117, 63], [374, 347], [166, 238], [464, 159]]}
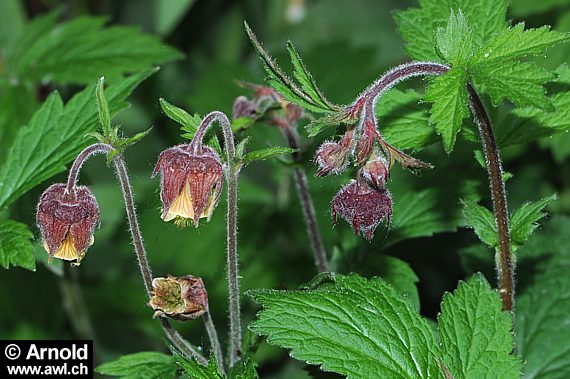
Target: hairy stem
{"points": [[214, 340], [232, 174], [505, 267], [306, 203], [181, 344], [505, 270]]}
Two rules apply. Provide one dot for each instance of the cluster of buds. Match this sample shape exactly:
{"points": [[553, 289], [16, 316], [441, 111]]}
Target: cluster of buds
{"points": [[66, 221], [365, 202], [191, 183], [181, 298]]}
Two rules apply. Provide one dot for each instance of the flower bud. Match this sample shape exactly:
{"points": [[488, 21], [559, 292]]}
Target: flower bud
{"points": [[183, 298], [365, 143], [191, 184], [375, 172], [67, 221], [332, 157], [242, 107], [363, 207]]}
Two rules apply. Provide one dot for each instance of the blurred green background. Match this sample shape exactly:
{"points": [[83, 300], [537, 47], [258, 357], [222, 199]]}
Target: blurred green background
{"points": [[346, 45]]}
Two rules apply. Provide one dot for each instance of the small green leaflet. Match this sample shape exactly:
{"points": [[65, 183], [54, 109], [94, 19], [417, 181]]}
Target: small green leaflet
{"points": [[147, 365], [454, 43], [365, 329], [475, 334], [83, 49], [16, 246], [543, 305], [263, 154], [524, 220], [305, 94], [54, 136], [194, 370], [482, 221], [448, 93]]}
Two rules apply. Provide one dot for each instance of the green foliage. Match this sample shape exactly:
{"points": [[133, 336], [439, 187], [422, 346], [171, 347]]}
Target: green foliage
{"points": [[454, 43], [364, 328], [482, 221], [449, 97], [475, 335], [16, 247], [54, 136], [194, 370], [80, 50], [305, 94], [263, 154], [524, 220], [400, 275], [147, 365], [542, 308]]}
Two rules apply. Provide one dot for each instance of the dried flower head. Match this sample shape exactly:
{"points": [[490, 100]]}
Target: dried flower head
{"points": [[191, 183], [67, 221], [182, 298], [363, 207]]}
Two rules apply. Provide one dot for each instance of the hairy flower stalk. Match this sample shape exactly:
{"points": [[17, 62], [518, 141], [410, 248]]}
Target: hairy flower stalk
{"points": [[366, 104], [180, 343], [231, 174]]}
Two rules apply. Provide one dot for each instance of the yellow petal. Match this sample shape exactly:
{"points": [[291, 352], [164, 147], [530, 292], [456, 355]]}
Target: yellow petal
{"points": [[67, 251], [181, 206]]}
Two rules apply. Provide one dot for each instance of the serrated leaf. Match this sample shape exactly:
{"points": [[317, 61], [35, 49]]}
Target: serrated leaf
{"points": [[400, 275], [448, 94], [244, 370], [482, 221], [356, 327], [194, 370], [54, 136], [524, 220], [404, 123], [16, 246], [189, 122], [319, 125], [544, 304], [83, 49], [292, 92], [516, 43], [103, 107], [475, 334], [262, 154], [144, 365], [520, 82], [454, 43]]}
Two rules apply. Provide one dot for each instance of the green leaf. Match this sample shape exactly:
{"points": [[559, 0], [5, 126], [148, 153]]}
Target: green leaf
{"points": [[417, 25], [524, 220], [82, 50], [292, 92], [482, 221], [454, 43], [147, 365], [355, 327], [262, 154], [523, 8], [403, 121], [400, 275], [194, 370], [475, 334], [189, 122], [317, 126], [543, 305], [16, 246], [244, 370], [103, 107], [54, 136], [448, 94], [517, 43], [520, 82]]}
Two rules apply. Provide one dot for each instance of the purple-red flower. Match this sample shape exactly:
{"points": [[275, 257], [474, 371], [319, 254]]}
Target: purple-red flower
{"points": [[67, 221], [375, 171], [333, 157], [191, 183], [182, 298], [363, 207]]}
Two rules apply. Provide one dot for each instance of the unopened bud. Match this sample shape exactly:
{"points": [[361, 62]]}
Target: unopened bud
{"points": [[375, 171], [242, 107]]}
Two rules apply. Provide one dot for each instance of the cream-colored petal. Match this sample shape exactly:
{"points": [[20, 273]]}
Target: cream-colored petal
{"points": [[67, 251], [181, 206]]}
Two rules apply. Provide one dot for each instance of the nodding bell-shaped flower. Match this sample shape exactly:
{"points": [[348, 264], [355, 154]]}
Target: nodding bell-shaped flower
{"points": [[363, 207], [191, 183], [67, 221], [332, 157], [183, 298]]}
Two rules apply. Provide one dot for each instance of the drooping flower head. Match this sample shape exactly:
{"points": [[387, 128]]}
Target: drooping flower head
{"points": [[363, 207], [332, 157], [191, 183], [66, 221], [182, 298]]}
